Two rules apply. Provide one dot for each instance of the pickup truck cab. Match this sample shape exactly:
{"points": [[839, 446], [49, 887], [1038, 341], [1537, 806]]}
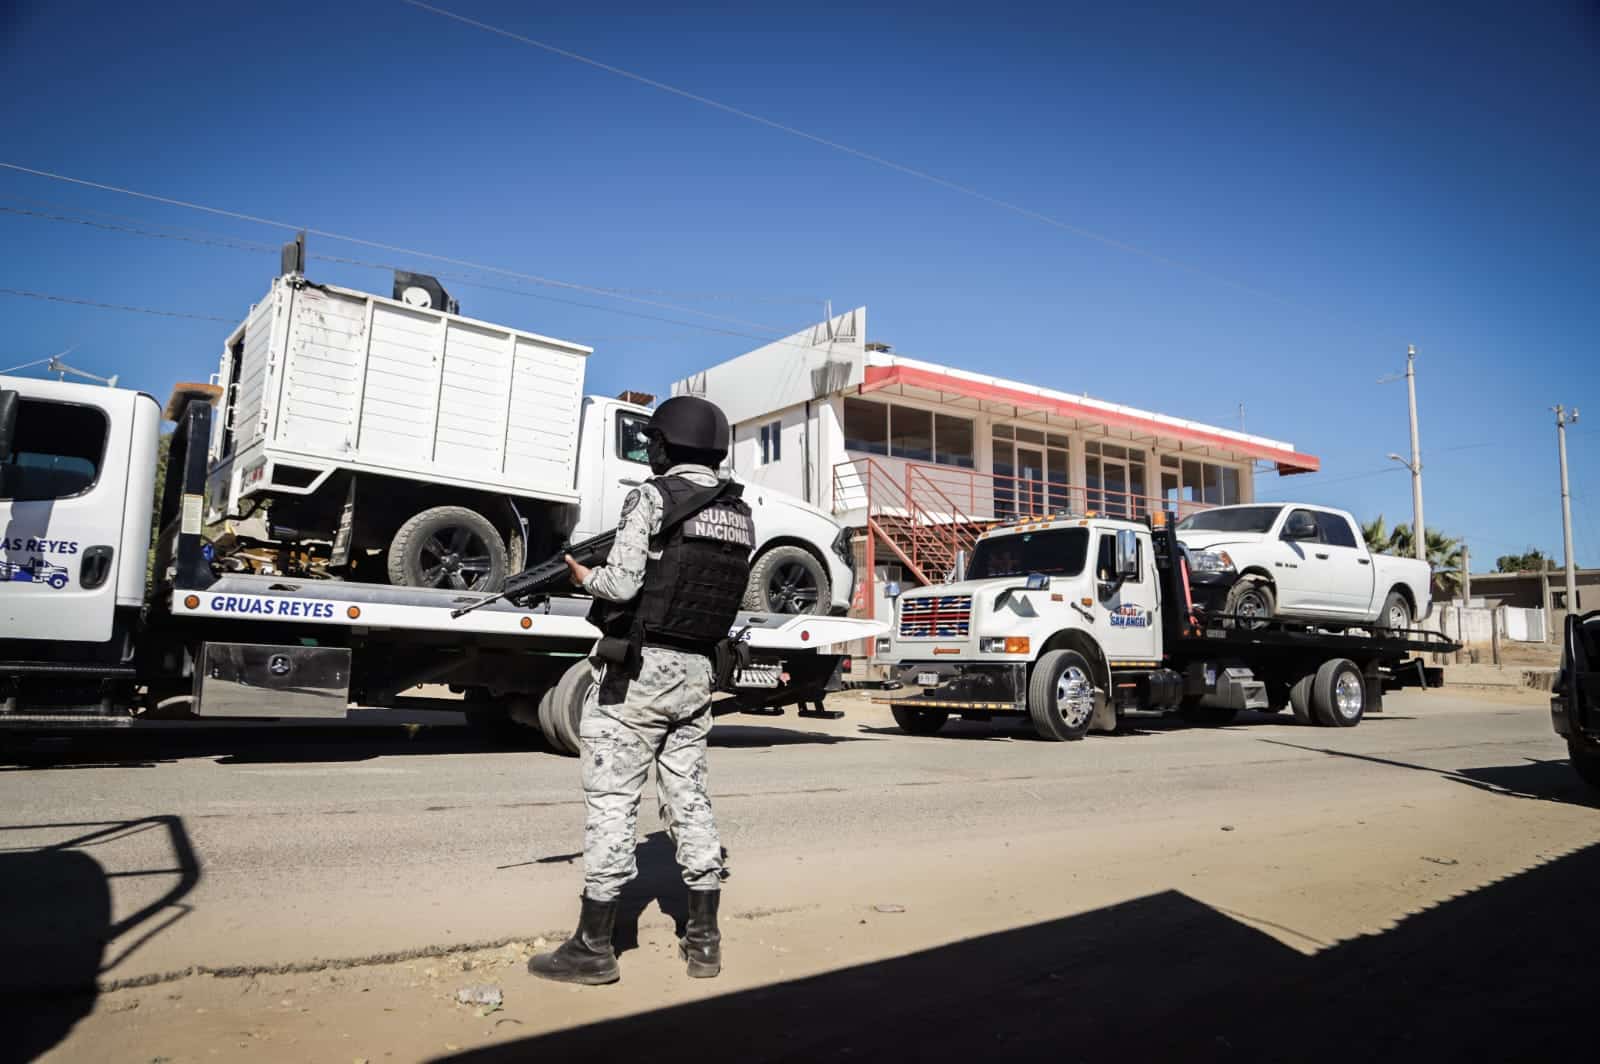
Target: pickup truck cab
{"points": [[1302, 562]]}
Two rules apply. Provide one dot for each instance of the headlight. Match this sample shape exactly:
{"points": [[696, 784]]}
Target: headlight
{"points": [[1211, 561], [883, 644], [1003, 644]]}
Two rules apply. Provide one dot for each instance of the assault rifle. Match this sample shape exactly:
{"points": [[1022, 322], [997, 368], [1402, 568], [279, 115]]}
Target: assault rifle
{"points": [[532, 586]]}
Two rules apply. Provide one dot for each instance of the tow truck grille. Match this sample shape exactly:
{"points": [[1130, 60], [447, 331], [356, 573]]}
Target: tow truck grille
{"points": [[935, 617]]}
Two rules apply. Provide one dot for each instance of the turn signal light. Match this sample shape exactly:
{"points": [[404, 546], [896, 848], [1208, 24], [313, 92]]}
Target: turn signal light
{"points": [[353, 612], [191, 602], [1016, 644], [527, 622]]}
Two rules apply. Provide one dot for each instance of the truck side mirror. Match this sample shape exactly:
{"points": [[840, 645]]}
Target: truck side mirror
{"points": [[9, 402], [1301, 525], [1127, 554]]}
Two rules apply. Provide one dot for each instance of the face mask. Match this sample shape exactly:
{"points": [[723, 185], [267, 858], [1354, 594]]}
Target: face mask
{"points": [[656, 449]]}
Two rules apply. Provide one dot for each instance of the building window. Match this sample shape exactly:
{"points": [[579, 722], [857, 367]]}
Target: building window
{"points": [[952, 441], [908, 432], [1185, 481], [866, 427], [1116, 479], [1032, 471], [771, 443]]}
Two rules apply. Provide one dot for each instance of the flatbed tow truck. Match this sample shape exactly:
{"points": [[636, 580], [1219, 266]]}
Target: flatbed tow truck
{"points": [[121, 642], [1076, 621]]}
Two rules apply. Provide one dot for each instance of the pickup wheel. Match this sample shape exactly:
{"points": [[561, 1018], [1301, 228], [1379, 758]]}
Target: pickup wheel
{"points": [[1251, 601], [915, 721], [1061, 696], [450, 547], [566, 707], [1396, 614], [1585, 756], [1339, 694], [1300, 699], [788, 580]]}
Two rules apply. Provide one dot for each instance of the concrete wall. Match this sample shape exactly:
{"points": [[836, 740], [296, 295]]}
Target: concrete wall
{"points": [[1474, 625], [815, 362]]}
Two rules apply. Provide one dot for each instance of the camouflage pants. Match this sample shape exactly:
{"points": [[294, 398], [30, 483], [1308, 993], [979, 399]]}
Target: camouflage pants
{"points": [[661, 717]]}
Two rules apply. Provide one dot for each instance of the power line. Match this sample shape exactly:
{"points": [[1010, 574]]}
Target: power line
{"points": [[611, 293], [111, 306], [877, 160], [240, 245]]}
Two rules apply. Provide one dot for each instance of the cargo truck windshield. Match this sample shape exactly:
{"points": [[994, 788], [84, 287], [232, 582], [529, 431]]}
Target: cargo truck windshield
{"points": [[1055, 552], [1257, 519]]}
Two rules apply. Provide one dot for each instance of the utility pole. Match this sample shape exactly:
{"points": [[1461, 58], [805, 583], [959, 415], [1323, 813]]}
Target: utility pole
{"points": [[1566, 508], [1419, 531]]}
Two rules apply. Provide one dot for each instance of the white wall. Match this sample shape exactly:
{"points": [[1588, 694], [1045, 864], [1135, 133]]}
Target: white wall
{"points": [[823, 359]]}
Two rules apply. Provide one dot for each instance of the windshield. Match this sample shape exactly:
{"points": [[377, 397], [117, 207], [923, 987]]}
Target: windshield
{"points": [[1256, 519], [1055, 551]]}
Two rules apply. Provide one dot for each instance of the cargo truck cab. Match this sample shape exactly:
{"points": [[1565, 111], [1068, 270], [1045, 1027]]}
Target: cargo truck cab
{"points": [[72, 546]]}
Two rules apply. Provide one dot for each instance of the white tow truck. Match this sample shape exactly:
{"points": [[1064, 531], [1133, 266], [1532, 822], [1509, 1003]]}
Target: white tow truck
{"points": [[1075, 621], [93, 632]]}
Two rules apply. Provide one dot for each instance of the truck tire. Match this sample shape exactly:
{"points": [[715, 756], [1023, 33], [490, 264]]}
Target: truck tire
{"points": [[1300, 699], [1339, 694], [1395, 617], [1061, 696], [914, 721], [547, 726], [566, 707], [449, 547], [788, 580], [1252, 601], [1585, 757]]}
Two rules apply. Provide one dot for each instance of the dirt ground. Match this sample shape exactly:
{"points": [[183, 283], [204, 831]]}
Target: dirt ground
{"points": [[1219, 927]]}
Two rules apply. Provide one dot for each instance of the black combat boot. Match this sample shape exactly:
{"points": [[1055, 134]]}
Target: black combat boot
{"points": [[586, 957], [701, 944]]}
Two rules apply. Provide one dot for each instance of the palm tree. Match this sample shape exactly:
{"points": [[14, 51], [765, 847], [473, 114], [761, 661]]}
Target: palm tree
{"points": [[1377, 538], [1444, 554]]}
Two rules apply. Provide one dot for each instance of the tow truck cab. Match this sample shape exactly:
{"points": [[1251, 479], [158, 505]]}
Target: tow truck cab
{"points": [[76, 482]]}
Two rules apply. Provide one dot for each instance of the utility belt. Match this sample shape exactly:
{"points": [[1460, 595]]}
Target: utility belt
{"points": [[727, 655]]}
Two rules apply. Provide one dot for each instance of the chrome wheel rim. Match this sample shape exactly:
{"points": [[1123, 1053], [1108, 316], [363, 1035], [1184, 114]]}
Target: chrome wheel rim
{"points": [[1074, 697], [1348, 695], [1399, 617]]}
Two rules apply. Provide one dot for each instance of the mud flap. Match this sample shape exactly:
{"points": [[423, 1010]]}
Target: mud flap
{"points": [[1105, 714]]}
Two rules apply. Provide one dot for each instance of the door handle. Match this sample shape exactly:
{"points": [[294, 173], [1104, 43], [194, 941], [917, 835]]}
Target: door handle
{"points": [[94, 569], [625, 482], [1324, 557], [1364, 561]]}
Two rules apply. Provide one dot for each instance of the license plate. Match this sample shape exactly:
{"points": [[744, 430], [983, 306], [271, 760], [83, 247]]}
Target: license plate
{"points": [[756, 677], [927, 679]]}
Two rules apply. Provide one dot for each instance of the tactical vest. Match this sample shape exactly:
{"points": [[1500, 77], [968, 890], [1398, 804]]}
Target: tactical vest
{"points": [[692, 592]]}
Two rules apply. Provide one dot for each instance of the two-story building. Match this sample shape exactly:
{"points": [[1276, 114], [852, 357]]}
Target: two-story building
{"points": [[920, 457]]}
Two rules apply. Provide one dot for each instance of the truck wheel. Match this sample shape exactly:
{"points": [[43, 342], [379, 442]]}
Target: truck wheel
{"points": [[1061, 695], [788, 580], [566, 707], [451, 547], [547, 726], [1585, 756], [1396, 614], [1300, 699], [914, 721], [1251, 601], [1339, 694]]}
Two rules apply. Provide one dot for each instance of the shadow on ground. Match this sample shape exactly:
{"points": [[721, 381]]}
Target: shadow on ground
{"points": [[58, 931], [1504, 973]]}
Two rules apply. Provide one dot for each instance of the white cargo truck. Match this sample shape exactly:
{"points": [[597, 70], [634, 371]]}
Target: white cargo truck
{"points": [[395, 441], [93, 633]]}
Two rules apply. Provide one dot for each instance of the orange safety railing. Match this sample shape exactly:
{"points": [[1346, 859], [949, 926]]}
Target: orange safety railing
{"points": [[928, 514]]}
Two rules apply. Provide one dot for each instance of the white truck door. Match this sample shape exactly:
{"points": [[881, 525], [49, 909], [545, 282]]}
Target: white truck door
{"points": [[1347, 566], [63, 488], [1128, 630], [1300, 564]]}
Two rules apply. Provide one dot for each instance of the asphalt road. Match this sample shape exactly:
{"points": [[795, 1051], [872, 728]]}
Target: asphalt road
{"points": [[247, 849]]}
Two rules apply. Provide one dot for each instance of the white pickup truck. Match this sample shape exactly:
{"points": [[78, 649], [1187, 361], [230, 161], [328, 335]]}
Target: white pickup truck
{"points": [[1302, 562]]}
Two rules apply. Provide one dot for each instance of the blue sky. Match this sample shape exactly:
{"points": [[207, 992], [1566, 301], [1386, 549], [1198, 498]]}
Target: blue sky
{"points": [[1334, 184]]}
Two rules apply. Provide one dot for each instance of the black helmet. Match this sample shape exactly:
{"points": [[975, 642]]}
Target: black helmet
{"points": [[687, 423]]}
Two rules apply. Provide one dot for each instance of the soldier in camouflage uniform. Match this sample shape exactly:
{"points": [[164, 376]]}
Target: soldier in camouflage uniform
{"points": [[677, 570]]}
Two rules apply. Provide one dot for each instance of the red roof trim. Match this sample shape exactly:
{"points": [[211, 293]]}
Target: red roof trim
{"points": [[878, 377]]}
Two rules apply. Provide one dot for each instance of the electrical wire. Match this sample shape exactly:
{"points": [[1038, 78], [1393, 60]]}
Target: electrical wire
{"points": [[110, 306], [877, 160]]}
